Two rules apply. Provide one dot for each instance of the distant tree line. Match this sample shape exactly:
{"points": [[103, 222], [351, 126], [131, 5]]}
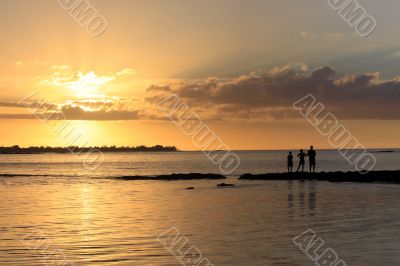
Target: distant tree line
{"points": [[35, 150]]}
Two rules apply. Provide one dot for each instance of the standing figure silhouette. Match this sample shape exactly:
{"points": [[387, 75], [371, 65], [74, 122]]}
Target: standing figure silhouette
{"points": [[290, 162], [302, 162], [311, 156]]}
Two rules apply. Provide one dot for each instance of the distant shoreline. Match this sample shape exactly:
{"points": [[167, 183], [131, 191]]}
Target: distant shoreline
{"points": [[105, 149], [126, 149]]}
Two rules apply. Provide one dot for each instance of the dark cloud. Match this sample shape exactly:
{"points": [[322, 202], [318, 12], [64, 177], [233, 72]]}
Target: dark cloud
{"points": [[11, 104], [272, 93], [17, 116], [77, 113], [18, 104]]}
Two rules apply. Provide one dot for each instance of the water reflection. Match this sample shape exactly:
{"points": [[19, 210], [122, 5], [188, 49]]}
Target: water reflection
{"points": [[306, 194], [312, 198], [290, 199]]}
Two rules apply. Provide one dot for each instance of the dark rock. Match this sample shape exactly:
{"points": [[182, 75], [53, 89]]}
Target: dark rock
{"points": [[190, 176], [225, 185], [190, 188], [362, 177]]}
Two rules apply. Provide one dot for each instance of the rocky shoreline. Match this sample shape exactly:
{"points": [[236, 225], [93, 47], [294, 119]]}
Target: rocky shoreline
{"points": [[370, 177], [191, 176]]}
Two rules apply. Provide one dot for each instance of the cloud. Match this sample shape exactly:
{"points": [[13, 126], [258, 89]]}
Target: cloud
{"points": [[272, 93], [60, 67], [19, 104], [333, 34], [77, 80], [84, 84], [126, 72], [17, 116], [77, 113], [306, 34], [35, 63], [256, 96], [11, 104], [76, 110]]}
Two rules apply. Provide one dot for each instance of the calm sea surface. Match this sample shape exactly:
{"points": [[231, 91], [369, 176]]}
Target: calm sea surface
{"points": [[54, 212]]}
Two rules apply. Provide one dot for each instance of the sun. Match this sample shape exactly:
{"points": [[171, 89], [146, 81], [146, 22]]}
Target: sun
{"points": [[88, 85], [78, 83]]}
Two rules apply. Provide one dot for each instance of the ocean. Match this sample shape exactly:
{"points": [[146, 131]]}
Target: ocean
{"points": [[54, 212]]}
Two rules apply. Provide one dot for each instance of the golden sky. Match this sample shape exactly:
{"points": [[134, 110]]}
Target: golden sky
{"points": [[238, 64]]}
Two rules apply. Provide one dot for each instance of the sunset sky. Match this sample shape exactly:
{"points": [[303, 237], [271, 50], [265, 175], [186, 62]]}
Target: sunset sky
{"points": [[240, 65]]}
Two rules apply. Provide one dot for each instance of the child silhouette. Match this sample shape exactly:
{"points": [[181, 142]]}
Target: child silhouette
{"points": [[290, 162]]}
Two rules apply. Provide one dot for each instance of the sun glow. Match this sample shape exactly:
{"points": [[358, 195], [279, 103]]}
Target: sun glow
{"points": [[82, 84], [87, 85]]}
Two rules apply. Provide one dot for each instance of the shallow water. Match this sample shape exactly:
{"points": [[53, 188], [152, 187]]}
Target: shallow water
{"points": [[90, 219], [121, 164]]}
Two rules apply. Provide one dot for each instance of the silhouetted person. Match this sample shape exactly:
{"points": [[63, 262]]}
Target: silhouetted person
{"points": [[311, 156], [302, 162], [290, 162]]}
